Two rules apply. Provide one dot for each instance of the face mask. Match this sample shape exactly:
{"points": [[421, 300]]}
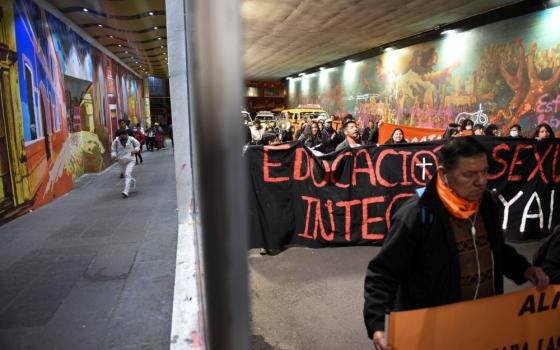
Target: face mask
{"points": [[513, 133], [468, 127]]}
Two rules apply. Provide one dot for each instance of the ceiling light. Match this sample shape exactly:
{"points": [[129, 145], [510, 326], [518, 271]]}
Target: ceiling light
{"points": [[159, 38], [388, 48], [85, 10], [448, 32], [164, 53], [322, 68], [100, 25], [110, 36], [161, 46], [151, 13], [348, 61], [120, 45], [155, 28], [136, 62], [301, 74], [289, 78]]}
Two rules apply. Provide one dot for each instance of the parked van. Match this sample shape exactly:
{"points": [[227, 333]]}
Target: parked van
{"points": [[306, 112]]}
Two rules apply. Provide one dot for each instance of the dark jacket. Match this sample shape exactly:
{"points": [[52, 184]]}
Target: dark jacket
{"points": [[374, 135], [311, 141], [418, 266], [548, 256], [329, 144]]}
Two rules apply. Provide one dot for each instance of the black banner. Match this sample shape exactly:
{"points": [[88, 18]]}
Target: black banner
{"points": [[348, 197]]}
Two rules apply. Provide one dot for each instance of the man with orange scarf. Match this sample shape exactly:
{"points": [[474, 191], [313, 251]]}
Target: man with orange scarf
{"points": [[444, 245]]}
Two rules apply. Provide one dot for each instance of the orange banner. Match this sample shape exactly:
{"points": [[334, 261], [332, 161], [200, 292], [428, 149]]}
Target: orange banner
{"points": [[411, 134], [525, 320]]}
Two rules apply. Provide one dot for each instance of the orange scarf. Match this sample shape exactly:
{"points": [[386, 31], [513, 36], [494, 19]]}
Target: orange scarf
{"points": [[455, 205]]}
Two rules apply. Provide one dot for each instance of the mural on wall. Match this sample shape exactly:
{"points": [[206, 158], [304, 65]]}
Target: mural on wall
{"points": [[503, 73], [59, 107]]}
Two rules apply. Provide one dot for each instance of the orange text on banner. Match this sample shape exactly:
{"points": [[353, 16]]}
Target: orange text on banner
{"points": [[527, 319]]}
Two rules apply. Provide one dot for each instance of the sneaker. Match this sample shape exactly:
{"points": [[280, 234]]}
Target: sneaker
{"points": [[124, 194]]}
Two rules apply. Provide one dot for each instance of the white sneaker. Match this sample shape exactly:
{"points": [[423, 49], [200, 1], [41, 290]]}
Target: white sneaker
{"points": [[125, 194]]}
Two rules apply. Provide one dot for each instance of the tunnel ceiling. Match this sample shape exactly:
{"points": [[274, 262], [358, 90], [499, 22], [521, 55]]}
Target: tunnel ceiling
{"points": [[134, 30], [289, 36], [281, 37]]}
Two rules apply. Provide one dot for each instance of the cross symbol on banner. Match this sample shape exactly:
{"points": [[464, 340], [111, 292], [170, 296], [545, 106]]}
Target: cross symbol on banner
{"points": [[423, 165]]}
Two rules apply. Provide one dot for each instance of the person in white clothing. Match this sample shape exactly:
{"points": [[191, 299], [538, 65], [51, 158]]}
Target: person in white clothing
{"points": [[123, 150]]}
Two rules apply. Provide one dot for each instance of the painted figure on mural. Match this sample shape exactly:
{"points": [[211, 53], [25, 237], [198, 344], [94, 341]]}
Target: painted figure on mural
{"points": [[507, 72], [543, 86], [517, 80]]}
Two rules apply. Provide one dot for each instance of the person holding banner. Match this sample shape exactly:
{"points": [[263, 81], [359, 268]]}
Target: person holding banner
{"points": [[544, 131], [444, 245], [397, 137]]}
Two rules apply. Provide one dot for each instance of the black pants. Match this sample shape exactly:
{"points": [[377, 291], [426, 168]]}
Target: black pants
{"points": [[150, 143]]}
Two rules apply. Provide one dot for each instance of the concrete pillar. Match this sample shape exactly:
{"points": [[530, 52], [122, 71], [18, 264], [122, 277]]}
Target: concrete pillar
{"points": [[205, 68]]}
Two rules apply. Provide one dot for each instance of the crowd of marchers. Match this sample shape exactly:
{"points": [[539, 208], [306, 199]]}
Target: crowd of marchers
{"points": [[320, 135], [445, 244]]}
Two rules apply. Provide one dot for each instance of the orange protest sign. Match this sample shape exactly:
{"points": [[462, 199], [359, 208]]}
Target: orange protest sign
{"points": [[411, 134], [525, 320]]}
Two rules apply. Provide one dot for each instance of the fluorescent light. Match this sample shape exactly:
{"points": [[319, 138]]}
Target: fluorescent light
{"points": [[85, 10], [448, 32]]}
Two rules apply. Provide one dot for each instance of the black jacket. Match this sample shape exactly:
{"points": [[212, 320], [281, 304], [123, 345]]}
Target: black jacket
{"points": [[548, 256], [418, 266]]}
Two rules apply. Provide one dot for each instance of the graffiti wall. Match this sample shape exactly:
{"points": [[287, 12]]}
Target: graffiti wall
{"points": [[60, 101], [504, 73]]}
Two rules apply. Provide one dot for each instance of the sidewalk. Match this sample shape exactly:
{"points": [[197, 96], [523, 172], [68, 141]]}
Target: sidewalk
{"points": [[92, 270]]}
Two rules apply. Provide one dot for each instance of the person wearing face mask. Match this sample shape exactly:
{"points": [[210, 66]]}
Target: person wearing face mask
{"points": [[467, 127], [445, 245], [124, 149], [515, 131]]}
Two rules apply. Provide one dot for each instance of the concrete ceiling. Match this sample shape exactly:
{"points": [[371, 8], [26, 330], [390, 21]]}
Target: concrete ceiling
{"points": [[288, 36], [282, 37]]}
